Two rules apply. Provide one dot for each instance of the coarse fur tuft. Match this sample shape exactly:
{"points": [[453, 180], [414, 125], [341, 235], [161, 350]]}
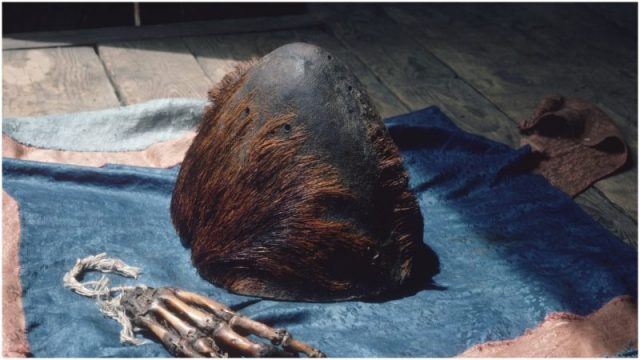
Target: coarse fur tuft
{"points": [[228, 84]]}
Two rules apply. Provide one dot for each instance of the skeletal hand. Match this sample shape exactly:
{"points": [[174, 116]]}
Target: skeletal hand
{"points": [[192, 325]]}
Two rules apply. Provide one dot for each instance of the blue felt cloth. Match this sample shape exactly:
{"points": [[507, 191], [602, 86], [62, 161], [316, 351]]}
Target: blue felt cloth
{"points": [[511, 247]]}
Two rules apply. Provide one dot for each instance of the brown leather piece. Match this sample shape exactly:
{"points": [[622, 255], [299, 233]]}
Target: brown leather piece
{"points": [[608, 331], [574, 143]]}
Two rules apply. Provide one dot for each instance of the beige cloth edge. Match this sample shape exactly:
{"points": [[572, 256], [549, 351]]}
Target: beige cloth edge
{"points": [[14, 335], [606, 332], [164, 154]]}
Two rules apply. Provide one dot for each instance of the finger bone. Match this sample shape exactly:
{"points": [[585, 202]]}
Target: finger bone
{"points": [[240, 322], [181, 326], [203, 321], [172, 342], [276, 336], [216, 308], [206, 345], [233, 340]]}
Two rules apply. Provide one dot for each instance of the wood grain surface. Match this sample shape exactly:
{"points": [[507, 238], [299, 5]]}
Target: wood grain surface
{"points": [[152, 69], [53, 81], [515, 72]]}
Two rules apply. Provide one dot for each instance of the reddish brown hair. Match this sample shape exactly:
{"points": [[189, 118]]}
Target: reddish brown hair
{"points": [[260, 212]]}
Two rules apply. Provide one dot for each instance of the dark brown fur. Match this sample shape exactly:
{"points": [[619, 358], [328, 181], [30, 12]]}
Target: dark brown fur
{"points": [[257, 210]]}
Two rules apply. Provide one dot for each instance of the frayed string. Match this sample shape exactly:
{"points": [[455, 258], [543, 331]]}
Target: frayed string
{"points": [[108, 304]]}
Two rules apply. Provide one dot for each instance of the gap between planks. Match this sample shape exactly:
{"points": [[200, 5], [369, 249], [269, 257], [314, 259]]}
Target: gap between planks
{"points": [[52, 81], [106, 71]]}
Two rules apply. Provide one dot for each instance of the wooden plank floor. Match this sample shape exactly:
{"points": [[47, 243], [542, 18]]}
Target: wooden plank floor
{"points": [[57, 80], [485, 65], [497, 70], [153, 69]]}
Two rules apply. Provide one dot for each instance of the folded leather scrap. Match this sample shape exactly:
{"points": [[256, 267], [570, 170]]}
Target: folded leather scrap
{"points": [[523, 270], [576, 143]]}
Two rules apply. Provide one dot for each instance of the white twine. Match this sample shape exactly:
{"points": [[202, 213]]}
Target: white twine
{"points": [[108, 304]]}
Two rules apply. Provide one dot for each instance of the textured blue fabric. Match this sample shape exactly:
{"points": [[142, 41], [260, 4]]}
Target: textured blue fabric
{"points": [[627, 354], [511, 248]]}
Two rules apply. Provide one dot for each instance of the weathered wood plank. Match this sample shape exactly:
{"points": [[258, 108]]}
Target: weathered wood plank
{"points": [[219, 54], [603, 56], [361, 39], [514, 73], [412, 73], [594, 203], [624, 15], [95, 36], [516, 68], [152, 69], [52, 81], [622, 189], [573, 26]]}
